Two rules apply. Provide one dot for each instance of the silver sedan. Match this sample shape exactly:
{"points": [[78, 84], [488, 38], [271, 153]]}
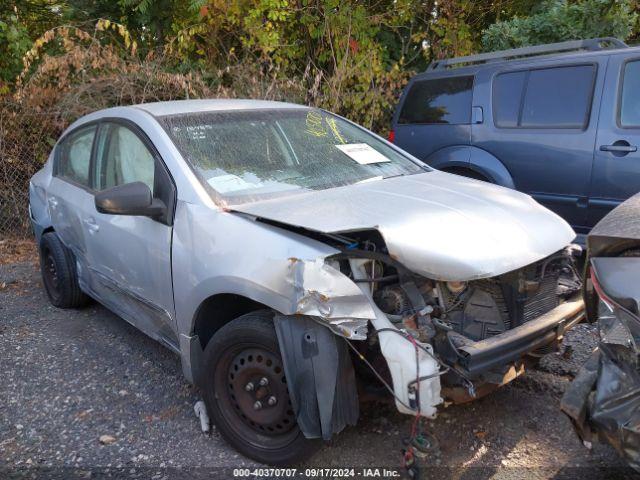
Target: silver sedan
{"points": [[293, 259]]}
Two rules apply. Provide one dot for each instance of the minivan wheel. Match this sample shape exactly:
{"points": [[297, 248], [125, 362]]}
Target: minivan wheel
{"points": [[246, 393], [59, 276]]}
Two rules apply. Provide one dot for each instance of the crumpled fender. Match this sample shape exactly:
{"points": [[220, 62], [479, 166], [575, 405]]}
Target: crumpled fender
{"points": [[321, 291]]}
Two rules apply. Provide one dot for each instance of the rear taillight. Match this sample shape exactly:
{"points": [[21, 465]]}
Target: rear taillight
{"points": [[392, 136]]}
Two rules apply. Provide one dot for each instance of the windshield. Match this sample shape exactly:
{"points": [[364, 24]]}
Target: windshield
{"points": [[252, 155]]}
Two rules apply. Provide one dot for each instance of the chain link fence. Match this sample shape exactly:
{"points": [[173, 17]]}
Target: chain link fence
{"points": [[26, 139]]}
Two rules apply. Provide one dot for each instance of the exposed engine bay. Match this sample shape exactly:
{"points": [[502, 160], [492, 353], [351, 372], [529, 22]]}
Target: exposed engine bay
{"points": [[448, 316], [481, 308]]}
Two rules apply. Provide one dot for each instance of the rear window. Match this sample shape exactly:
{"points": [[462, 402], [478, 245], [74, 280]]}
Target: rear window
{"points": [[630, 100], [440, 101], [74, 156], [558, 97]]}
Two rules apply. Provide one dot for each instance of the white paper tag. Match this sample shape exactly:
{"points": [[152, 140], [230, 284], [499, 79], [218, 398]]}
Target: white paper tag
{"points": [[362, 153]]}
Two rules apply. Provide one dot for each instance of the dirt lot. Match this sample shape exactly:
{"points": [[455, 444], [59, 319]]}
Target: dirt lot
{"points": [[69, 377]]}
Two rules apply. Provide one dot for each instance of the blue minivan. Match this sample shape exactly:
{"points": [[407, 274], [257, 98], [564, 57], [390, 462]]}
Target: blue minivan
{"points": [[560, 122]]}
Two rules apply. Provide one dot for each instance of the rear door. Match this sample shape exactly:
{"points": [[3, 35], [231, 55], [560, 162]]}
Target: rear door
{"points": [[70, 194], [130, 256], [616, 172], [435, 112], [542, 127]]}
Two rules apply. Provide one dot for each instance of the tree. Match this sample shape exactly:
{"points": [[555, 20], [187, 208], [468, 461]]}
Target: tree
{"points": [[20, 24], [558, 20]]}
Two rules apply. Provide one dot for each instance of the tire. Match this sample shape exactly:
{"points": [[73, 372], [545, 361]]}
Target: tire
{"points": [[244, 352], [59, 276]]}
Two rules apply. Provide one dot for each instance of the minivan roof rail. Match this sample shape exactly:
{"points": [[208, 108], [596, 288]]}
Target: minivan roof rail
{"points": [[592, 44]]}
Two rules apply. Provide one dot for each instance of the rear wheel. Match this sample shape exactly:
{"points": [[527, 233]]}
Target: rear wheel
{"points": [[59, 275], [246, 392]]}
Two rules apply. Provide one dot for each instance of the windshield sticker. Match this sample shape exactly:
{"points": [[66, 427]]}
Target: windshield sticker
{"points": [[362, 153]]}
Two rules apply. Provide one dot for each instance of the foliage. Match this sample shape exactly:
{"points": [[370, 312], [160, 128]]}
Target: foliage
{"points": [[558, 20], [350, 56], [20, 24], [60, 59]]}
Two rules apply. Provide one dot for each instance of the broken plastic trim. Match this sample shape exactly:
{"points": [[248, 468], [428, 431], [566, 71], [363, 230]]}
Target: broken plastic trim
{"points": [[320, 376], [603, 401]]}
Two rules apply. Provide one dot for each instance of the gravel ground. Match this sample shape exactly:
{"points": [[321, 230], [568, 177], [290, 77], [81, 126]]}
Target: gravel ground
{"points": [[70, 377]]}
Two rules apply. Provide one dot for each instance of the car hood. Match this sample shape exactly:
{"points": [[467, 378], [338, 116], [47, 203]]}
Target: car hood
{"points": [[439, 225]]}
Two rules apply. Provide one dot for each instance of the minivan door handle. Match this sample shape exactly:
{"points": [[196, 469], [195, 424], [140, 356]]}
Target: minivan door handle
{"points": [[621, 146]]}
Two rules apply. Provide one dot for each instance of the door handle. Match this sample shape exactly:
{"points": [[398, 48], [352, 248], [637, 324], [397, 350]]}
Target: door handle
{"points": [[53, 202], [621, 146], [91, 224]]}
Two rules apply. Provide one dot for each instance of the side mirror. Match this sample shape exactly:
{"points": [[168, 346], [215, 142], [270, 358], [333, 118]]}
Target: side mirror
{"points": [[130, 199]]}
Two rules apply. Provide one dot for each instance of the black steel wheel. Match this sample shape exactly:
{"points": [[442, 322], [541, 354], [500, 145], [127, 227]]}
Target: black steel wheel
{"points": [[246, 392], [59, 276]]}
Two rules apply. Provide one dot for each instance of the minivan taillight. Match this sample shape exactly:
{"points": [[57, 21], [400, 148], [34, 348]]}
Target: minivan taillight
{"points": [[392, 136]]}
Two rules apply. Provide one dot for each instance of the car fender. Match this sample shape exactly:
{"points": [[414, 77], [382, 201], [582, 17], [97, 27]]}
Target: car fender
{"points": [[475, 159], [280, 269]]}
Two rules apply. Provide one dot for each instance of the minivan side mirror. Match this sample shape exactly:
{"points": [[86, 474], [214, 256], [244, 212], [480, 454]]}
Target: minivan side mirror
{"points": [[133, 198]]}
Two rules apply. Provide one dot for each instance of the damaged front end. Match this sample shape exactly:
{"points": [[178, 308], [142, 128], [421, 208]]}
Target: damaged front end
{"points": [[432, 340], [603, 401]]}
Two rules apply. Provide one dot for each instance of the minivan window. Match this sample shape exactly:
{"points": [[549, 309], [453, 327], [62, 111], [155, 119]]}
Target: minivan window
{"points": [[557, 97], [444, 100], [630, 101], [74, 156], [507, 97]]}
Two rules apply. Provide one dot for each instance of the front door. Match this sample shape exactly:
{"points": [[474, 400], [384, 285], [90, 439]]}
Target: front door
{"points": [[616, 170], [130, 256]]}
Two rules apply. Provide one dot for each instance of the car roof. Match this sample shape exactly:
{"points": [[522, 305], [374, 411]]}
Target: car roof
{"points": [[176, 107], [532, 60]]}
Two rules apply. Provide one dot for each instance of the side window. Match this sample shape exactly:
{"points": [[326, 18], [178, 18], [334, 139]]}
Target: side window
{"points": [[444, 100], [558, 97], [507, 98], [122, 158], [630, 99], [74, 156]]}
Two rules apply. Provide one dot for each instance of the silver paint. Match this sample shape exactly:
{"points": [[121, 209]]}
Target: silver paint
{"points": [[439, 225]]}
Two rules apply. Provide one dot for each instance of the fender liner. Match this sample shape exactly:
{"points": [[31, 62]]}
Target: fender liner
{"points": [[320, 376]]}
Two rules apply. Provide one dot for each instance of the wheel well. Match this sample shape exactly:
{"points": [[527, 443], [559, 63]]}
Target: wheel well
{"points": [[47, 230], [218, 310], [467, 172]]}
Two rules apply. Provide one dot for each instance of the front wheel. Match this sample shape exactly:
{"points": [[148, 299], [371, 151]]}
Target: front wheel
{"points": [[246, 393]]}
